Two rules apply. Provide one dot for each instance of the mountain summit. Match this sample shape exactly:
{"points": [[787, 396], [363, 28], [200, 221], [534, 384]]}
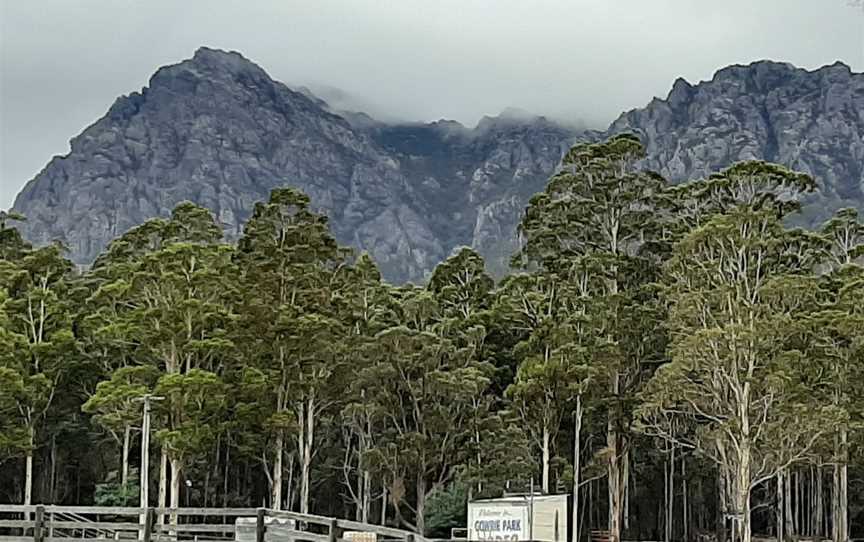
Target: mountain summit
{"points": [[811, 121], [217, 130]]}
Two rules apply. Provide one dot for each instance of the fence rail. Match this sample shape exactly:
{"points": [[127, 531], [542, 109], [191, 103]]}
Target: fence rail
{"points": [[49, 523]]}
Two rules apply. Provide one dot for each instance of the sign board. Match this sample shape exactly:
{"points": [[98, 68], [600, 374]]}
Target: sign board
{"points": [[542, 518], [498, 521], [360, 536]]}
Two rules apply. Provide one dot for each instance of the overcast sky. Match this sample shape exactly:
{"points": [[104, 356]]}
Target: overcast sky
{"points": [[63, 62]]}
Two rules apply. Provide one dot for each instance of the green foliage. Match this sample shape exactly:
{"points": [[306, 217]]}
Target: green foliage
{"points": [[446, 509], [113, 493]]}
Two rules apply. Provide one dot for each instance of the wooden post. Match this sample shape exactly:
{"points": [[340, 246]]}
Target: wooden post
{"points": [[148, 525], [332, 531], [38, 524], [409, 538], [260, 528]]}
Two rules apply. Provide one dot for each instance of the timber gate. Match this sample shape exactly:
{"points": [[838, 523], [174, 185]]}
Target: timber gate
{"points": [[100, 523]]}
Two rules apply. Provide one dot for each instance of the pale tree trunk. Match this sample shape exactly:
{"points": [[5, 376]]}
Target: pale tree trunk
{"points": [[383, 504], [52, 488], [127, 436], [796, 508], [276, 490], [307, 438], [367, 489], [723, 504], [28, 473], [742, 493], [421, 504], [685, 514], [615, 474], [290, 495], [225, 475], [626, 482], [781, 504], [546, 459], [163, 483], [670, 494], [28, 478], [577, 465], [840, 497], [787, 501], [820, 512], [176, 473]]}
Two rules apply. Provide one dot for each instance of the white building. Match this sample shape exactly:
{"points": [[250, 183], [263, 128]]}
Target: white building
{"points": [[542, 518]]}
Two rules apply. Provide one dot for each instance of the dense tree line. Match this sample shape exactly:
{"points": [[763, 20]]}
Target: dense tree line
{"points": [[677, 358]]}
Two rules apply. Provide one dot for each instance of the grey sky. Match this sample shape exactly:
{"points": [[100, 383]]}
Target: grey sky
{"points": [[63, 62]]}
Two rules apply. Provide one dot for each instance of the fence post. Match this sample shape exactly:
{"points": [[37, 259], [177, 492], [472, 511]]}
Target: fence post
{"points": [[38, 524], [260, 528], [148, 525], [332, 534], [409, 538]]}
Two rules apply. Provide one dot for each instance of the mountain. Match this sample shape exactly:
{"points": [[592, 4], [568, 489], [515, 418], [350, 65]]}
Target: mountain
{"points": [[217, 130], [811, 121]]}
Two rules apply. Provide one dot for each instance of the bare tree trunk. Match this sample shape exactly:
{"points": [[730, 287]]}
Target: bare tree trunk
{"points": [[781, 505], [308, 436], [820, 512], [124, 478], [614, 471], [28, 478], [841, 489], [383, 504], [546, 459], [626, 512], [226, 475], [670, 494], [421, 504], [722, 505], [742, 492], [577, 465], [163, 483], [367, 489], [176, 473], [290, 481], [52, 489], [685, 515], [276, 490], [787, 500]]}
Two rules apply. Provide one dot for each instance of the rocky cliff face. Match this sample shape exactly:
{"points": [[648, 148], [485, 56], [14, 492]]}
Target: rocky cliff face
{"points": [[811, 121], [216, 130]]}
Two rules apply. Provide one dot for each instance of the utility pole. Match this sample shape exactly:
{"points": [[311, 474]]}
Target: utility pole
{"points": [[144, 473]]}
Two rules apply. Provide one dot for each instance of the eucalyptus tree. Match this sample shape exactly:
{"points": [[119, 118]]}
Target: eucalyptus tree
{"points": [[38, 331], [423, 386], [740, 289], [837, 345], [592, 228], [368, 307], [167, 288], [288, 260]]}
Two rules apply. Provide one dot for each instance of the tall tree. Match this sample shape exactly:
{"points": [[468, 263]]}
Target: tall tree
{"points": [[592, 226], [739, 291], [288, 258]]}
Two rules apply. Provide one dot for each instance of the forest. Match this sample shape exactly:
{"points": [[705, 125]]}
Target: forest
{"points": [[676, 357]]}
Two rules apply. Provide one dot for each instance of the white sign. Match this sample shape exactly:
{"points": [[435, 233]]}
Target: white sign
{"points": [[498, 521]]}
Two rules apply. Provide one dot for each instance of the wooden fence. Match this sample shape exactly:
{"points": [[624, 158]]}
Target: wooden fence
{"points": [[94, 523]]}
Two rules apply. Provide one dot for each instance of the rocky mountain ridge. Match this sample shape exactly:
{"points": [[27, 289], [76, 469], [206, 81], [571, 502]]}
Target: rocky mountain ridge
{"points": [[217, 130]]}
